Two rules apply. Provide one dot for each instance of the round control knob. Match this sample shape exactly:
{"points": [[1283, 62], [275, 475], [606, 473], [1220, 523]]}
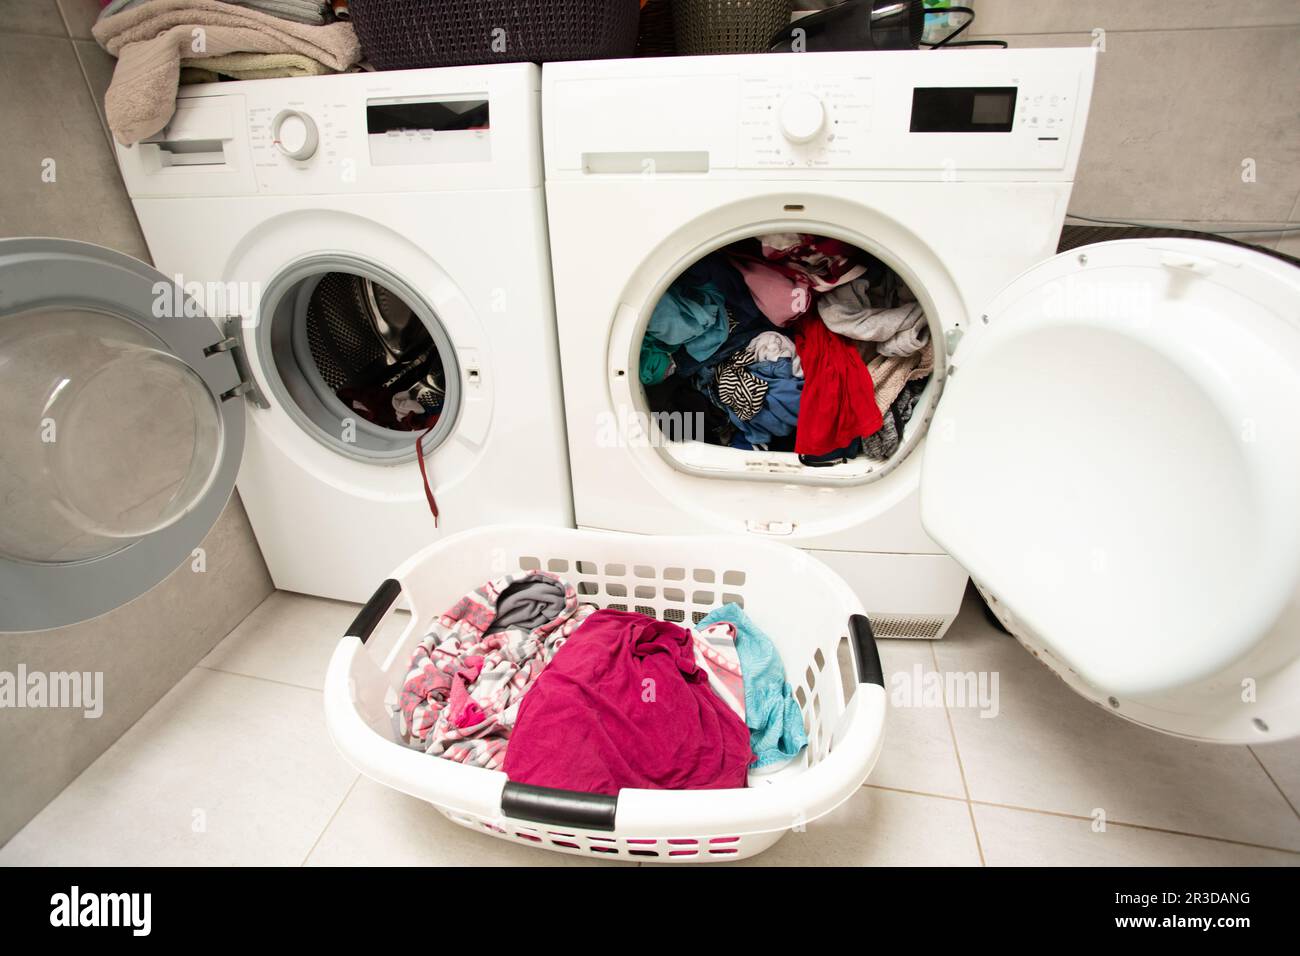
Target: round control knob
{"points": [[802, 117], [294, 134]]}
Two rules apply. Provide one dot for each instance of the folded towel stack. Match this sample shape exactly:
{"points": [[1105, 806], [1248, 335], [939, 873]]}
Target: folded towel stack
{"points": [[300, 11], [153, 39]]}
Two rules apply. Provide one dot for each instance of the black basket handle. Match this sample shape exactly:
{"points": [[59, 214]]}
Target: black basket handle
{"points": [[368, 618], [866, 653], [569, 808]]}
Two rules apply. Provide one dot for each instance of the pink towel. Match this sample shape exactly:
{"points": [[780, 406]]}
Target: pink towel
{"points": [[624, 704]]}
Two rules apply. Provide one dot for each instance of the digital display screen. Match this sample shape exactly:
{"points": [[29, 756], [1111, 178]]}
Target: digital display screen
{"points": [[438, 117], [963, 109]]}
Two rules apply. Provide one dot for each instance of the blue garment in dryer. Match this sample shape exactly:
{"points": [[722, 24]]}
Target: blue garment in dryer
{"points": [[740, 319], [780, 412]]}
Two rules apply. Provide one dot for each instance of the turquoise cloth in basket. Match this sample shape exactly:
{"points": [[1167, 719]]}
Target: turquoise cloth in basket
{"points": [[775, 723]]}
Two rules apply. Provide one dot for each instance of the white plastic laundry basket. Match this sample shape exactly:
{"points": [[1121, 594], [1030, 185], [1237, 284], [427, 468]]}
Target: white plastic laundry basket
{"points": [[809, 612]]}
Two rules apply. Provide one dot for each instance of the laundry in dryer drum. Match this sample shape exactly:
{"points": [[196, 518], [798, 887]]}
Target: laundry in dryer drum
{"points": [[820, 340]]}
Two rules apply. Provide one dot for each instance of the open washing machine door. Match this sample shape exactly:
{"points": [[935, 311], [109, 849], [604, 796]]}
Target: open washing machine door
{"points": [[1116, 462], [120, 435]]}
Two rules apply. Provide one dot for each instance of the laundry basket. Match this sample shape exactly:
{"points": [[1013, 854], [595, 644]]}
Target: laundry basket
{"points": [[809, 612], [409, 34], [728, 26]]}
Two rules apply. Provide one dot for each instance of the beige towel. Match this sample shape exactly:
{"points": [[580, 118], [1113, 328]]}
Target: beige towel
{"points": [[250, 66], [889, 373], [150, 40]]}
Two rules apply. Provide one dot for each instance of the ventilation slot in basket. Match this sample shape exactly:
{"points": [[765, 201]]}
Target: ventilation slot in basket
{"points": [[676, 594], [920, 628]]}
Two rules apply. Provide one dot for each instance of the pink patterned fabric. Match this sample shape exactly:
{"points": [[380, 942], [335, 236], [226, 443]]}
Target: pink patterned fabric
{"points": [[715, 652], [792, 269], [781, 294], [466, 680], [825, 262], [625, 705]]}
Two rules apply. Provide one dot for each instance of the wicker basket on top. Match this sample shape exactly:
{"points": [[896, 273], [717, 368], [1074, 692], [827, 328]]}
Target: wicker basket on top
{"points": [[728, 26], [409, 34]]}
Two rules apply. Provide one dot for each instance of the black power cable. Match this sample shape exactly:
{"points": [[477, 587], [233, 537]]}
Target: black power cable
{"points": [[947, 41]]}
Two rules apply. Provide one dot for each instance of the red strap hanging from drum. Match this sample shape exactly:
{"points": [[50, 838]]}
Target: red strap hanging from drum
{"points": [[424, 474]]}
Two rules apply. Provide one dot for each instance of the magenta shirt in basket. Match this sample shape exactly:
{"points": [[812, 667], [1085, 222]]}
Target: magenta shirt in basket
{"points": [[624, 704]]}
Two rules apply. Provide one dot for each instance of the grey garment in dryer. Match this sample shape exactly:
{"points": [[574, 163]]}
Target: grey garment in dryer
{"points": [[848, 311], [125, 537]]}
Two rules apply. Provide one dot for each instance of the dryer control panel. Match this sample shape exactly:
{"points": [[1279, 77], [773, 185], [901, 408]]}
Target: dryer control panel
{"points": [[925, 114]]}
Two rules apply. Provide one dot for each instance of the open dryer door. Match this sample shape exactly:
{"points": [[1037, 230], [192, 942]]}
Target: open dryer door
{"points": [[1116, 462], [121, 430]]}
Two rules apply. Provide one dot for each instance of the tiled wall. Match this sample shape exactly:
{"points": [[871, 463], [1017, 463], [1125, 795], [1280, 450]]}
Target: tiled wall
{"points": [[1186, 93], [53, 77]]}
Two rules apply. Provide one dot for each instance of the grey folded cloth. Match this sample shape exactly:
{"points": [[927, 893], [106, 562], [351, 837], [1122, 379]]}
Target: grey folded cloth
{"points": [[150, 39], [299, 11], [847, 310]]}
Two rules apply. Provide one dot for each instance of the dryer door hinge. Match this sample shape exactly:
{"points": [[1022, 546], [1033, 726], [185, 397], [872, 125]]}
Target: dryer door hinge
{"points": [[232, 327]]}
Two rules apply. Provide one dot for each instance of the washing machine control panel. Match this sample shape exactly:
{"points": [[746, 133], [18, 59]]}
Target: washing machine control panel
{"points": [[289, 138], [401, 132], [294, 134]]}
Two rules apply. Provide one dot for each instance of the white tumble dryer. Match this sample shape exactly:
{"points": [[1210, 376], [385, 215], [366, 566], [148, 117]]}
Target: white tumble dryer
{"points": [[1115, 472], [350, 263]]}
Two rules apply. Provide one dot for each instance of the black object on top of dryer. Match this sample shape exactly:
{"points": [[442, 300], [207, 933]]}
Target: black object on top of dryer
{"points": [[855, 25]]}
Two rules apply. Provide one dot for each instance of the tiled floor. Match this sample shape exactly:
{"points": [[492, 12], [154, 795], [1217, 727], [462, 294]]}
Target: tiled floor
{"points": [[234, 766]]}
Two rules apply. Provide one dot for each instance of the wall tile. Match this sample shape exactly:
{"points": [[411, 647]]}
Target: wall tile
{"points": [[143, 649], [79, 15], [31, 16], [58, 121], [1167, 136], [1005, 17]]}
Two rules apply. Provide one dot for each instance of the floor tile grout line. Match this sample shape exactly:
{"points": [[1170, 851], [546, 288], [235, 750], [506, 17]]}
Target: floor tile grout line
{"points": [[961, 768], [1074, 816], [1262, 767], [915, 793], [63, 18], [315, 843], [108, 134], [30, 33], [269, 680], [1136, 826]]}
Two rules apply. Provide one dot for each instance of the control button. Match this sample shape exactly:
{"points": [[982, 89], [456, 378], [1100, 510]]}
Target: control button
{"points": [[802, 117], [294, 134]]}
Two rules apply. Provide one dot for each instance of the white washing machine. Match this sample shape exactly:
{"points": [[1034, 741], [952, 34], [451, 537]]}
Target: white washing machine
{"points": [[355, 262], [1105, 466]]}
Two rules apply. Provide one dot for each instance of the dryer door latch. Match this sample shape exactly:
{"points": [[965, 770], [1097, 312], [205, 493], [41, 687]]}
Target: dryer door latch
{"points": [[951, 339], [232, 327], [769, 527]]}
